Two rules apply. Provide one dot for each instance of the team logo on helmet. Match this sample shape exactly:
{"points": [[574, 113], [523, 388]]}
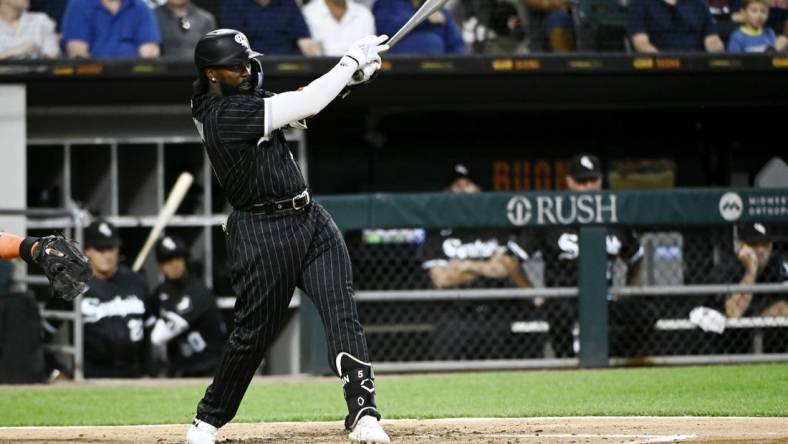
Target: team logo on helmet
{"points": [[241, 40]]}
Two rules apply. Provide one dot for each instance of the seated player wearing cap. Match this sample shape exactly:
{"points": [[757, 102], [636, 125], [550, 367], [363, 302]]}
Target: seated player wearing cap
{"points": [[756, 261], [189, 323], [631, 318], [478, 258], [462, 257], [113, 309]]}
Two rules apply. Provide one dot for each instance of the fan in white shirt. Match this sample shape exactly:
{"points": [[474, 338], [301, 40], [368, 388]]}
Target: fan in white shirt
{"points": [[336, 24], [25, 34]]}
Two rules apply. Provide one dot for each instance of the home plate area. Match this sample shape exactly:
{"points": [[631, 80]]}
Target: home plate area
{"points": [[456, 430]]}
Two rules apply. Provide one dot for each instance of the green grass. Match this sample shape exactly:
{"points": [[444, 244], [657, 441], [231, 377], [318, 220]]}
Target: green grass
{"points": [[740, 390]]}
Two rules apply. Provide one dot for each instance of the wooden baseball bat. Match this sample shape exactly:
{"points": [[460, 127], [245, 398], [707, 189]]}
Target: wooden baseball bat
{"points": [[174, 200], [425, 10]]}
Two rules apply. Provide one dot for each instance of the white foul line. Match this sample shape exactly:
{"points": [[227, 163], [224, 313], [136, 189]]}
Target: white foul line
{"points": [[635, 438]]}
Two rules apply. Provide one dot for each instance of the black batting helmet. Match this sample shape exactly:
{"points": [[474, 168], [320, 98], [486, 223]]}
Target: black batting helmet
{"points": [[171, 246], [225, 47]]}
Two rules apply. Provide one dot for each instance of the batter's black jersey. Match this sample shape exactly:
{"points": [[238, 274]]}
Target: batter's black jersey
{"points": [[252, 165], [113, 312], [196, 351], [560, 249]]}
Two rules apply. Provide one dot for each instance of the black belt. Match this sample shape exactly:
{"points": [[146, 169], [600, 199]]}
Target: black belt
{"points": [[294, 203]]}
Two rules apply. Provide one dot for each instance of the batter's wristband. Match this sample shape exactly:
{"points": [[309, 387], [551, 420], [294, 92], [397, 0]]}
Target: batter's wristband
{"points": [[353, 59], [25, 249]]}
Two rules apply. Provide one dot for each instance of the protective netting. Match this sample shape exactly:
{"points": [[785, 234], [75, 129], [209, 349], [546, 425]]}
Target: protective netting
{"points": [[434, 295]]}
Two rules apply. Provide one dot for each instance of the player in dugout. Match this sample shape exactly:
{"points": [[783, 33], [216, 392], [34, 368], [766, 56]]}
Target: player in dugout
{"points": [[189, 323]]}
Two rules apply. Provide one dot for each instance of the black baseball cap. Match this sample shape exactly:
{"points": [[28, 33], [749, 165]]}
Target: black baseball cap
{"points": [[171, 246], [754, 233], [460, 171], [101, 235], [585, 167]]}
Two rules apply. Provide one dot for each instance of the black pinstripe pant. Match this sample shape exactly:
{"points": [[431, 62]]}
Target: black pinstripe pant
{"points": [[269, 255]]}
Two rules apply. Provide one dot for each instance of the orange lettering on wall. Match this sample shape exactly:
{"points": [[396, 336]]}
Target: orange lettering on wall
{"points": [[561, 170], [542, 179], [501, 180], [516, 175]]}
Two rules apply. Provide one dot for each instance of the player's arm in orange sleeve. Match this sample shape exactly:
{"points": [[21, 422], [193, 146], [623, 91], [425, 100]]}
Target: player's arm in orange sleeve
{"points": [[12, 245]]}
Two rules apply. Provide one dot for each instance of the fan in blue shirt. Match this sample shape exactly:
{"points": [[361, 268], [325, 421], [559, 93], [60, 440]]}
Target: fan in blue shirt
{"points": [[110, 29], [753, 36], [272, 26], [672, 25], [437, 35]]}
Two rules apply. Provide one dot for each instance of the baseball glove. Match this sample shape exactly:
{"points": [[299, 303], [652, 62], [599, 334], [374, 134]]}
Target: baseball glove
{"points": [[67, 269]]}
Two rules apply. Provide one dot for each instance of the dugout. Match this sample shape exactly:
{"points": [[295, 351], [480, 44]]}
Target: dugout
{"points": [[113, 135]]}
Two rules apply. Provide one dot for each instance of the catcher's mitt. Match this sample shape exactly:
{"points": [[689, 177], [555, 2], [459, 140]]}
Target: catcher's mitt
{"points": [[67, 269]]}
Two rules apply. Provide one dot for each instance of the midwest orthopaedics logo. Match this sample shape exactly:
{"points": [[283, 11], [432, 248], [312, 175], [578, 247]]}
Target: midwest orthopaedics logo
{"points": [[562, 209], [731, 206]]}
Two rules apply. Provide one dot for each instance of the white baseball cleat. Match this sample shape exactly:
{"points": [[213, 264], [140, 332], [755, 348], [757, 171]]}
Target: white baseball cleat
{"points": [[201, 433], [368, 430]]}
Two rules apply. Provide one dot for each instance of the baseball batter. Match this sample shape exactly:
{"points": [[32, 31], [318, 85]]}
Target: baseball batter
{"points": [[277, 238]]}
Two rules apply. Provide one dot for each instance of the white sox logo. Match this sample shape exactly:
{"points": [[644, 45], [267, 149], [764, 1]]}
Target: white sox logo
{"points": [[242, 40], [731, 206]]}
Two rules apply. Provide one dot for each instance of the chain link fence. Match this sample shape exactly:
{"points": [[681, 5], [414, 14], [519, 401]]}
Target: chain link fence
{"points": [[675, 292]]}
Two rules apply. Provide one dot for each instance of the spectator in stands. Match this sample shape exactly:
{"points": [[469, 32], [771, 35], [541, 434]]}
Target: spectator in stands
{"points": [[336, 24], [756, 261], [113, 309], [550, 25], [753, 35], [25, 35], [188, 323], [727, 16], [494, 26], [110, 29], [672, 25], [181, 24], [463, 257], [778, 17], [438, 35], [272, 26]]}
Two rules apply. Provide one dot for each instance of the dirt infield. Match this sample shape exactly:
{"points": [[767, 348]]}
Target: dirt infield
{"points": [[525, 430]]}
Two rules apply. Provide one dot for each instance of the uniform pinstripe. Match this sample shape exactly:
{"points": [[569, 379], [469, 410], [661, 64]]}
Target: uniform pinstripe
{"points": [[269, 255]]}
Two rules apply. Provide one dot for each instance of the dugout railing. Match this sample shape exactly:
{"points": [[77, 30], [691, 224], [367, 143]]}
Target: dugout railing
{"points": [[419, 328], [73, 347]]}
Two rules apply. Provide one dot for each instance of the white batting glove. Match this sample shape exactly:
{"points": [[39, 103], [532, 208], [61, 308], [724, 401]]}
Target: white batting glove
{"points": [[367, 49], [366, 72]]}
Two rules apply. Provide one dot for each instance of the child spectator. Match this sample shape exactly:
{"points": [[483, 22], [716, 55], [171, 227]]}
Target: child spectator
{"points": [[753, 35]]}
